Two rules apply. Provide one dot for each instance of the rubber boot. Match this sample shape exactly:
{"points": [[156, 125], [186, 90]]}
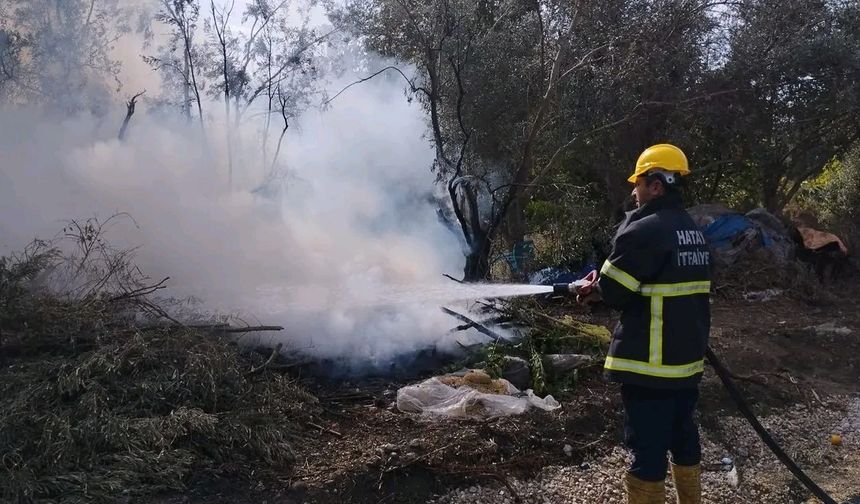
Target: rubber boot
{"points": [[645, 492], [688, 483]]}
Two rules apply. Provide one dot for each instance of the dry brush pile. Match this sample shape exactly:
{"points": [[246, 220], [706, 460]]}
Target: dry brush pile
{"points": [[94, 405]]}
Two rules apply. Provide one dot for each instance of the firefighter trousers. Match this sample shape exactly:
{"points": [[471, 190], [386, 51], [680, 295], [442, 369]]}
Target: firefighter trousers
{"points": [[657, 422]]}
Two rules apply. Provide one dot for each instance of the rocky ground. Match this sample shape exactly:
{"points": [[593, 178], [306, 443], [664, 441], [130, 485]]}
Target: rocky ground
{"points": [[738, 468], [797, 363]]}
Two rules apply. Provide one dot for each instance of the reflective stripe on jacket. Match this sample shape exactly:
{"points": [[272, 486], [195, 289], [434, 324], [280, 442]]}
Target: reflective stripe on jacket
{"points": [[658, 275]]}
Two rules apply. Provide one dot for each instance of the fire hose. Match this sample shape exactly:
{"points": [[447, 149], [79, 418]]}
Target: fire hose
{"points": [[765, 436], [744, 409]]}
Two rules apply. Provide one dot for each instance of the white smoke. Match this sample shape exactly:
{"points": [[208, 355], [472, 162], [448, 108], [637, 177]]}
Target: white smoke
{"points": [[353, 225]]}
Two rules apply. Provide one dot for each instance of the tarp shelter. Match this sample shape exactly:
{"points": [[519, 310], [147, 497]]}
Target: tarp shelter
{"points": [[732, 234]]}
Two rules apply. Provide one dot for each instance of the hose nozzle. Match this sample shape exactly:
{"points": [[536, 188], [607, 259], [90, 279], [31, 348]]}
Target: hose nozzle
{"points": [[568, 288], [563, 288]]}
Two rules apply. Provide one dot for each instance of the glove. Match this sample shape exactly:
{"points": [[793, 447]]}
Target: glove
{"points": [[590, 291]]}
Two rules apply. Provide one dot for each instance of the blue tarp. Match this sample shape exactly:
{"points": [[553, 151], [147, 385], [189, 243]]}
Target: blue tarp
{"points": [[549, 276], [722, 232]]}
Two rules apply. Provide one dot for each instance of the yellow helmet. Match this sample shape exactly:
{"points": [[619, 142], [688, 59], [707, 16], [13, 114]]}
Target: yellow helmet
{"points": [[665, 157]]}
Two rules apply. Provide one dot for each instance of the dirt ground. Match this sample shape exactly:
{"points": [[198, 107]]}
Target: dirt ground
{"points": [[798, 364]]}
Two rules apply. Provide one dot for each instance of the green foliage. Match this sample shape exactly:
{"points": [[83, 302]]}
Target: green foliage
{"points": [[495, 357], [60, 54], [835, 194], [833, 198], [16, 274], [792, 64], [549, 334], [568, 226], [535, 359], [767, 89]]}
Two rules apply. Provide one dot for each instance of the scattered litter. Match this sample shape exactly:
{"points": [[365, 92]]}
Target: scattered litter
{"points": [[817, 397], [474, 395], [732, 477], [568, 450], [763, 296], [836, 439], [829, 328]]}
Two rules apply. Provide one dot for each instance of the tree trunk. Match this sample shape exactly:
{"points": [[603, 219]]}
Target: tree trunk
{"points": [[770, 189], [229, 141], [186, 88], [515, 222], [715, 186], [478, 260], [616, 193]]}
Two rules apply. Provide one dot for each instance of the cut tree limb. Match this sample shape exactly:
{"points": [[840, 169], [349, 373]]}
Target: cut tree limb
{"points": [[275, 352], [129, 112], [477, 325]]}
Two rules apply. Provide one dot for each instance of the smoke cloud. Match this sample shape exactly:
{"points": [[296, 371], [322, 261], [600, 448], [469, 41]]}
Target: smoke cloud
{"points": [[335, 253]]}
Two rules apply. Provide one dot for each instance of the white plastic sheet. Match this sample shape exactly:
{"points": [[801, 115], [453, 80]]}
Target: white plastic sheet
{"points": [[432, 397]]}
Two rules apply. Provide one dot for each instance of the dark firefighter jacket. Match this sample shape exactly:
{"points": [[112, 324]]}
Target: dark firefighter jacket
{"points": [[658, 275]]}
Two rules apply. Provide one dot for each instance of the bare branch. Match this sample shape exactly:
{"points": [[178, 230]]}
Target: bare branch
{"points": [[371, 76], [275, 77], [275, 352], [130, 105], [140, 292]]}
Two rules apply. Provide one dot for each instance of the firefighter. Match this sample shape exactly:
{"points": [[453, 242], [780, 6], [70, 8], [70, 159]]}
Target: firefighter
{"points": [[658, 276]]}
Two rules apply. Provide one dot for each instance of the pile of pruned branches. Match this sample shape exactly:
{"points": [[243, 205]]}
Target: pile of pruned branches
{"points": [[93, 405]]}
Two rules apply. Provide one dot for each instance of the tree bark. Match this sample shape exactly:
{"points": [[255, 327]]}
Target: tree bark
{"points": [[220, 31], [478, 259], [515, 223], [129, 112], [770, 188]]}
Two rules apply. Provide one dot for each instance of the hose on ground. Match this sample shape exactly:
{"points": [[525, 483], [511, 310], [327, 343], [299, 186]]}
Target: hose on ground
{"points": [[765, 436]]}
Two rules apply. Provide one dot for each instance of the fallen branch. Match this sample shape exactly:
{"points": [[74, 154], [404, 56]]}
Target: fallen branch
{"points": [[501, 319], [585, 446], [325, 429], [291, 365], [152, 308], [354, 397], [275, 352], [251, 329], [583, 329], [446, 275], [761, 378], [477, 325], [222, 328], [503, 480]]}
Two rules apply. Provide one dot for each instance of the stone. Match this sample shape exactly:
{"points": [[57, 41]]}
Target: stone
{"points": [[559, 364], [516, 370]]}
